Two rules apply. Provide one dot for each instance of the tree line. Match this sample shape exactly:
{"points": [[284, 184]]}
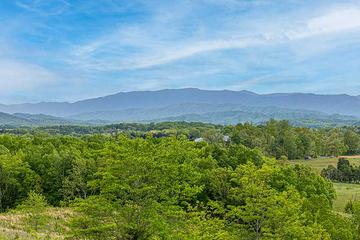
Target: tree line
{"points": [[277, 139], [281, 140], [343, 172]]}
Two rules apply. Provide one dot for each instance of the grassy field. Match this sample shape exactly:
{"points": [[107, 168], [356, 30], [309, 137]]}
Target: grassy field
{"points": [[320, 163], [345, 191], [14, 225]]}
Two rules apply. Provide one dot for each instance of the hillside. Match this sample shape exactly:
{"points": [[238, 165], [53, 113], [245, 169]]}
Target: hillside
{"points": [[8, 119], [29, 120]]}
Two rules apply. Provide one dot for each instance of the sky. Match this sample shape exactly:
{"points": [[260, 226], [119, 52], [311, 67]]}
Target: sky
{"points": [[67, 50]]}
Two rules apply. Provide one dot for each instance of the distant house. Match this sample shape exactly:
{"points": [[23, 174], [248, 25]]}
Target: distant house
{"points": [[226, 138], [198, 140]]}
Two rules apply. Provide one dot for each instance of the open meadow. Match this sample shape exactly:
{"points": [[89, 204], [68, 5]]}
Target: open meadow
{"points": [[344, 191], [319, 164]]}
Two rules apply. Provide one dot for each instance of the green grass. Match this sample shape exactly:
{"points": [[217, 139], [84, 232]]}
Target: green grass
{"points": [[13, 225], [344, 191], [320, 163]]}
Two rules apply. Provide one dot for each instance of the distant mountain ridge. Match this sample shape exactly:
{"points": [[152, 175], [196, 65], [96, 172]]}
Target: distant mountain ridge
{"points": [[175, 111], [22, 119], [217, 114], [305, 118], [131, 103], [8, 119]]}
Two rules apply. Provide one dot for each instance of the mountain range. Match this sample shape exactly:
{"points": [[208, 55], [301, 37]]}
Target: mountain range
{"points": [[189, 104]]}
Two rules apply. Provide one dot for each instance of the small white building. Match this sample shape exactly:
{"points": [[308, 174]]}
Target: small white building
{"points": [[226, 138], [198, 140]]}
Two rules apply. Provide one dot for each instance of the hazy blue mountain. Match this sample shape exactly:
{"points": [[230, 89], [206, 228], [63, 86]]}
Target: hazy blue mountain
{"points": [[45, 120], [8, 119], [24, 119], [331, 104], [47, 108], [139, 114], [218, 114], [303, 118], [222, 114], [174, 111]]}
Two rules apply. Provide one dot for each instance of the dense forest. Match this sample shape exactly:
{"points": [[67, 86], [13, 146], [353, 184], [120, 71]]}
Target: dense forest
{"points": [[154, 181]]}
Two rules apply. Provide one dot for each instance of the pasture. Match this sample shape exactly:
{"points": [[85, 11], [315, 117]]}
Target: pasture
{"points": [[344, 191], [319, 164]]}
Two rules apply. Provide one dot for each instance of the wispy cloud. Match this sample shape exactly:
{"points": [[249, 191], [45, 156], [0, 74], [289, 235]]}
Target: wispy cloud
{"points": [[44, 7], [109, 53]]}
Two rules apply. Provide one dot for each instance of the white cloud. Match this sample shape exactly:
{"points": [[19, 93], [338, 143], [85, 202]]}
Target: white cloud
{"points": [[336, 20], [19, 76]]}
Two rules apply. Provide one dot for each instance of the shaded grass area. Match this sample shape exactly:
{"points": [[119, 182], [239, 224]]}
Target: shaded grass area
{"points": [[344, 191], [15, 225]]}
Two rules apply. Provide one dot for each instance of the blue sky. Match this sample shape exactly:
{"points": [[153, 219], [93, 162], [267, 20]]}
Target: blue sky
{"points": [[66, 50]]}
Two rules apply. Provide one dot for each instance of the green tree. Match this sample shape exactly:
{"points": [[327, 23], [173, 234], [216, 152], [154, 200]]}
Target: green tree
{"points": [[265, 212], [34, 209], [335, 145], [352, 141]]}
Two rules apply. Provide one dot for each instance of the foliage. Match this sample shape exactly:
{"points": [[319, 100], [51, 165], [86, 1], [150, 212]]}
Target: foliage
{"points": [[279, 138], [34, 207], [160, 184]]}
